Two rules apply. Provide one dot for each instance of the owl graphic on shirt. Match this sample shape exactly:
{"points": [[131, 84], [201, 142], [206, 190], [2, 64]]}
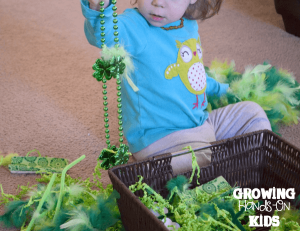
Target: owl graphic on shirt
{"points": [[189, 67]]}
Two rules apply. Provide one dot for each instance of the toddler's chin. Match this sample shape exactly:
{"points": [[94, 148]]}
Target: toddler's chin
{"points": [[156, 24]]}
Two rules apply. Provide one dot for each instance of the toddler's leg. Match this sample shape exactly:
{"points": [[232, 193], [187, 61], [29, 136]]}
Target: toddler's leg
{"points": [[237, 119], [194, 137]]}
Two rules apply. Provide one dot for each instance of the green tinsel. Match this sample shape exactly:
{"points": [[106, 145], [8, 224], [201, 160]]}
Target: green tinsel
{"points": [[194, 209], [289, 220]]}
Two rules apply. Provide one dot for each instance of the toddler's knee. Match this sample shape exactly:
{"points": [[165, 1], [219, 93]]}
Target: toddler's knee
{"points": [[259, 116], [254, 109]]}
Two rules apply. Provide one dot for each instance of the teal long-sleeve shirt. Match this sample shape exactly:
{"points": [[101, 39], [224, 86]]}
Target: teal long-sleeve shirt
{"points": [[169, 74]]}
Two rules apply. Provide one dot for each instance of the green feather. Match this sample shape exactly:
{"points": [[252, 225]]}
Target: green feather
{"points": [[63, 217], [177, 186], [79, 218], [108, 212], [103, 215], [276, 91], [181, 182], [109, 53], [15, 214]]}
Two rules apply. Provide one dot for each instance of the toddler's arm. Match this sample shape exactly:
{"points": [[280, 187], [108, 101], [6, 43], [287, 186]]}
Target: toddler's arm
{"points": [[132, 27]]}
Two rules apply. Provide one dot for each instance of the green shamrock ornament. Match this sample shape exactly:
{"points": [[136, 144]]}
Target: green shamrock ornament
{"points": [[101, 68], [117, 66], [113, 156], [108, 68], [122, 155]]}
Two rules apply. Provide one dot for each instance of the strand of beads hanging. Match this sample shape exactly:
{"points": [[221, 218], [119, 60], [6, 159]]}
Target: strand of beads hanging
{"points": [[105, 108], [105, 70], [119, 100], [115, 21], [102, 24], [105, 73]]}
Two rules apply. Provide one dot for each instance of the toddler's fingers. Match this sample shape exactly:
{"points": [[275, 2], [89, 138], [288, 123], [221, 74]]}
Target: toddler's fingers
{"points": [[95, 4]]}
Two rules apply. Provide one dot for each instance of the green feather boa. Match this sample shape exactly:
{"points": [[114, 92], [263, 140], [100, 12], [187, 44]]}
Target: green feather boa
{"points": [[276, 91]]}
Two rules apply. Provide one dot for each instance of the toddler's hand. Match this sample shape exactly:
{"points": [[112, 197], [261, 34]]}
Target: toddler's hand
{"points": [[94, 4]]}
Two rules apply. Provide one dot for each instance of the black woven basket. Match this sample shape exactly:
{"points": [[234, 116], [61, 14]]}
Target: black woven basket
{"points": [[255, 160]]}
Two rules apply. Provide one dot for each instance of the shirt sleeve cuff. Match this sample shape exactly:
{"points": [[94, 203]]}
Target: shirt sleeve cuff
{"points": [[223, 88]]}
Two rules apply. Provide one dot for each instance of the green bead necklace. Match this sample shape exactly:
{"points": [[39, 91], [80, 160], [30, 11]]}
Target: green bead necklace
{"points": [[105, 70]]}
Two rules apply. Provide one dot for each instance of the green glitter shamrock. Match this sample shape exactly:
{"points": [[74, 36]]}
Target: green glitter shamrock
{"points": [[117, 66], [113, 156], [108, 68]]}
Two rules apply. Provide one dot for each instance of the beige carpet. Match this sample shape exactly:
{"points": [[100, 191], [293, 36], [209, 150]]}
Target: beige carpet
{"points": [[49, 100]]}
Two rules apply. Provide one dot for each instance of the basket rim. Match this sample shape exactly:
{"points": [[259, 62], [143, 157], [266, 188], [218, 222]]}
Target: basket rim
{"points": [[213, 144]]}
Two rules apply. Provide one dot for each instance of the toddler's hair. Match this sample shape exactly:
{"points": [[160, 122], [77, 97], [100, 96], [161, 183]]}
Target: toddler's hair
{"points": [[202, 9]]}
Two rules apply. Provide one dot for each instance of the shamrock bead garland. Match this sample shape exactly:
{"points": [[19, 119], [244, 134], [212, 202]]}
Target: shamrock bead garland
{"points": [[106, 70]]}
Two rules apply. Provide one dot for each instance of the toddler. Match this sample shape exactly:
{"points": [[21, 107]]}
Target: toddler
{"points": [[168, 112]]}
